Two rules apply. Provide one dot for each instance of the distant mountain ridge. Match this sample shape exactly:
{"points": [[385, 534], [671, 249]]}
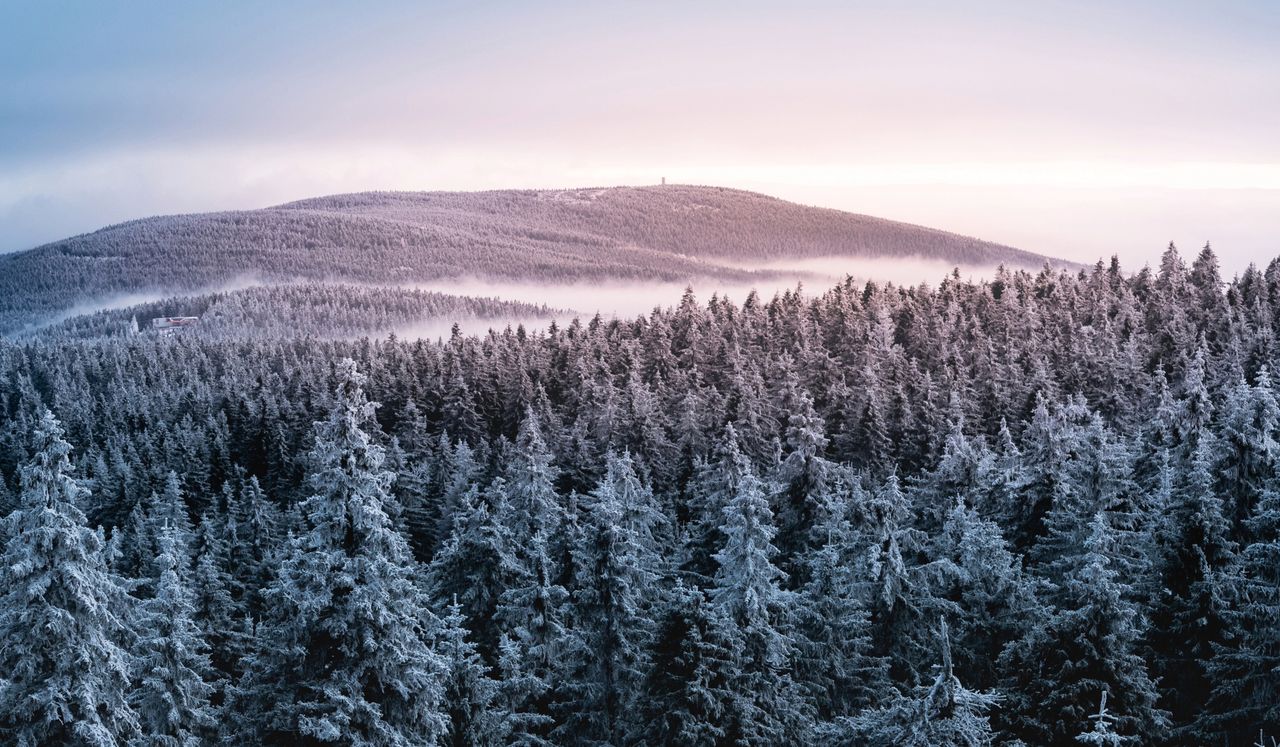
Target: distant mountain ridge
{"points": [[667, 233]]}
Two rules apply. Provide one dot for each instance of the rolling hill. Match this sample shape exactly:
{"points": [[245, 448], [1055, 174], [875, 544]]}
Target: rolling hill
{"points": [[668, 233]]}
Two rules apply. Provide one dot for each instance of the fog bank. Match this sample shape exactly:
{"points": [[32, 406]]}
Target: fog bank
{"points": [[627, 300]]}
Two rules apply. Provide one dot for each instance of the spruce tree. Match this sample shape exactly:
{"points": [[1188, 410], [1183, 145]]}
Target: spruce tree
{"points": [[1191, 616], [1245, 670], [898, 598], [169, 512], [477, 564], [456, 475], [986, 592], [253, 540], [804, 477], [224, 622], [943, 713], [1089, 644], [640, 513], [62, 613], [714, 484], [1044, 449], [534, 615], [172, 696], [688, 691], [833, 641], [1093, 474], [1250, 420], [470, 696], [530, 480], [613, 598], [1102, 733], [344, 653], [768, 706]]}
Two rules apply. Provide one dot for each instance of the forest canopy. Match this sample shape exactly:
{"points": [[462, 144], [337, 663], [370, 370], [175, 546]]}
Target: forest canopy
{"points": [[1037, 509]]}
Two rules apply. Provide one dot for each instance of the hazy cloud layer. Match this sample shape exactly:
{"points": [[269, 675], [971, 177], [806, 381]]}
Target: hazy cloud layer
{"points": [[630, 300]]}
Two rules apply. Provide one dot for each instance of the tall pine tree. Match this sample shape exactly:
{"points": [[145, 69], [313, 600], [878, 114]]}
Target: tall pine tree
{"points": [[65, 675], [172, 693], [767, 707], [1089, 645], [345, 654]]}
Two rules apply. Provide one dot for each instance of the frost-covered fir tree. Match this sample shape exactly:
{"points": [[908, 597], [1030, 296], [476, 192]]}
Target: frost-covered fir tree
{"points": [[535, 506], [8, 501], [169, 512], [613, 600], [254, 536], [470, 696], [640, 513], [172, 693], [344, 654], [532, 608], [832, 626], [966, 468], [804, 476], [63, 674], [458, 405], [224, 623], [1006, 478], [534, 613], [688, 693], [409, 455], [1092, 474], [714, 484], [1190, 617], [477, 564], [943, 713], [899, 599], [1044, 452], [1089, 644], [768, 706], [1102, 733], [1250, 419], [456, 475], [138, 544], [985, 591], [1245, 670]]}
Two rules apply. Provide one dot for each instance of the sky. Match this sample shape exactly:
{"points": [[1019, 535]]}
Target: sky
{"points": [[1077, 129]]}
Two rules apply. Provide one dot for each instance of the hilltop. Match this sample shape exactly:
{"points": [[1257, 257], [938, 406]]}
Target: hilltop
{"points": [[666, 233]]}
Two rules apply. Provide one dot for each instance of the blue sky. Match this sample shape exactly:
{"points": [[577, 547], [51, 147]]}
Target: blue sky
{"points": [[1072, 128]]}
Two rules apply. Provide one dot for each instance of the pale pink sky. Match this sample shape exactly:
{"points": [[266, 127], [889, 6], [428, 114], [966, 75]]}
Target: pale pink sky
{"points": [[1078, 129]]}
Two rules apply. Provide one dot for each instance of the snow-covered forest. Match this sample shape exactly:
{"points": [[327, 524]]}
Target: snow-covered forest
{"points": [[321, 310], [646, 234], [1039, 509]]}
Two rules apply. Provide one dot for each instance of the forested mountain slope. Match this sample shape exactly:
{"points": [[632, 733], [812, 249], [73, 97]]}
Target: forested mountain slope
{"points": [[967, 514], [705, 222], [666, 233], [320, 310]]}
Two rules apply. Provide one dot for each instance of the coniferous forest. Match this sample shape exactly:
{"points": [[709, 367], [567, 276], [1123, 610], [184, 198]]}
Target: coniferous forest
{"points": [[1037, 509], [639, 234]]}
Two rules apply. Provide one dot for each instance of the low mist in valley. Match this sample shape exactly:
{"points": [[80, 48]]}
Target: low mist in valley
{"points": [[565, 301], [627, 300]]}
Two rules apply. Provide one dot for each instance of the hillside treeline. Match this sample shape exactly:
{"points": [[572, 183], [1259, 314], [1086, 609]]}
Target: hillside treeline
{"points": [[329, 310], [583, 236]]}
